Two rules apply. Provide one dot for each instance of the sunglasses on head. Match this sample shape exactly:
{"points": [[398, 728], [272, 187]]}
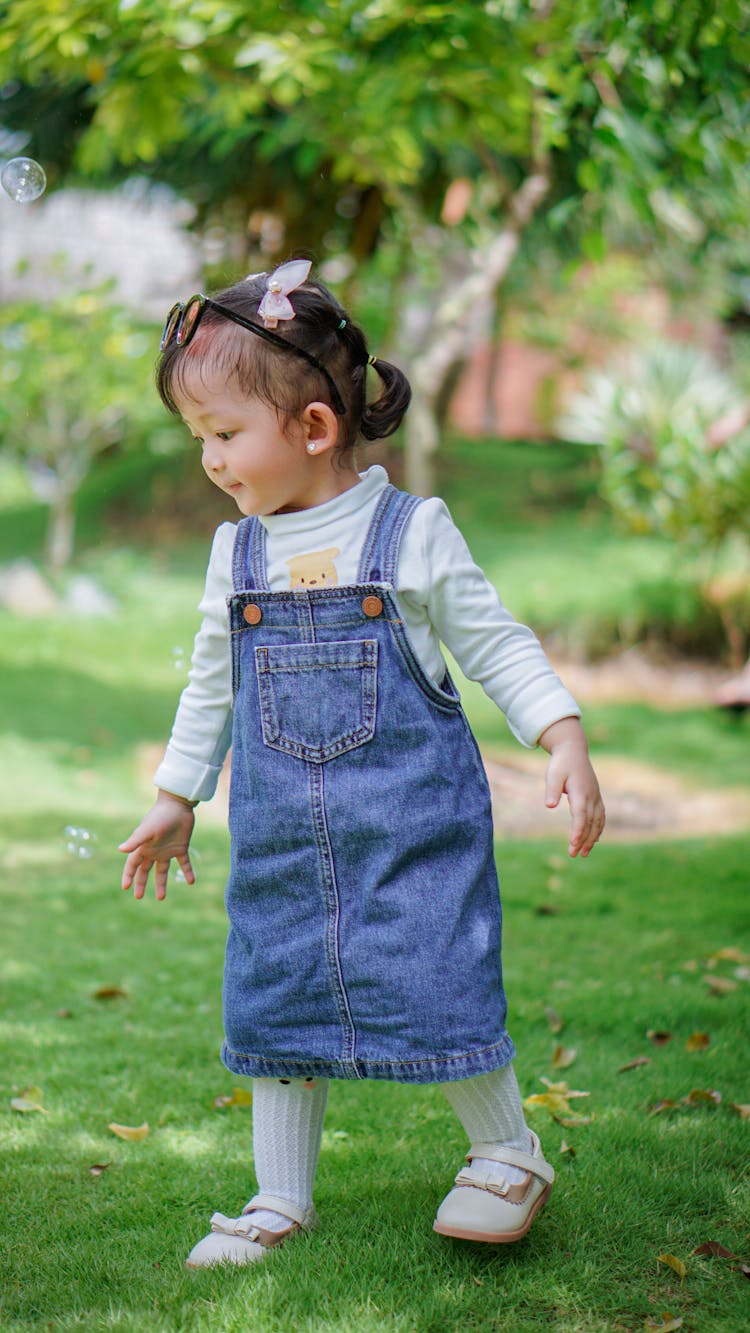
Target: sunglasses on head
{"points": [[183, 320]]}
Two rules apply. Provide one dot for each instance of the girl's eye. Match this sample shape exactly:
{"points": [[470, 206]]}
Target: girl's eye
{"points": [[224, 434]]}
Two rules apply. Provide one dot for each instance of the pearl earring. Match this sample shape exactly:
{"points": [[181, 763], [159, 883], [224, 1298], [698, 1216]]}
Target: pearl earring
{"points": [[311, 448]]}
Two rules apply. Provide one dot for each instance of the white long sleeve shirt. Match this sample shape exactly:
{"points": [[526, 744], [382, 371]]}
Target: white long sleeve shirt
{"points": [[443, 596]]}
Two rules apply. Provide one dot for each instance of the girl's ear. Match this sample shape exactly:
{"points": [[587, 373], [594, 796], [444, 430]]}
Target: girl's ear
{"points": [[320, 426]]}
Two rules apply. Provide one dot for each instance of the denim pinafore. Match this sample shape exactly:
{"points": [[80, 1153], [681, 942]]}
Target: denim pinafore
{"points": [[363, 901]]}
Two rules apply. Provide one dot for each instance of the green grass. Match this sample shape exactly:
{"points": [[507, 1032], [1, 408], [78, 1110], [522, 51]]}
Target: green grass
{"points": [[626, 953]]}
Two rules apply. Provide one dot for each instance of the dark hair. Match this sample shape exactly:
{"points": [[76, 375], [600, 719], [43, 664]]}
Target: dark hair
{"points": [[279, 378]]}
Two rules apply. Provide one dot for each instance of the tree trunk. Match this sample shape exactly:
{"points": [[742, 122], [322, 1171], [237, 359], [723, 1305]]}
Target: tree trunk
{"points": [[58, 551], [461, 316]]}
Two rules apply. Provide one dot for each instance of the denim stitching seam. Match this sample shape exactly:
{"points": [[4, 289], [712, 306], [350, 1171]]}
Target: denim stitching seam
{"points": [[333, 912]]}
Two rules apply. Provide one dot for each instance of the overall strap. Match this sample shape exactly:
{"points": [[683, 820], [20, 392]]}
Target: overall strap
{"points": [[379, 559], [249, 558]]}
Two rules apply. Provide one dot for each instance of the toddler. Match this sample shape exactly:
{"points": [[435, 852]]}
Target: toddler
{"points": [[363, 901]]}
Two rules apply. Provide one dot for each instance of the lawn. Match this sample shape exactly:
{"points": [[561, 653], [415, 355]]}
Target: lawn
{"points": [[603, 951], [627, 952]]}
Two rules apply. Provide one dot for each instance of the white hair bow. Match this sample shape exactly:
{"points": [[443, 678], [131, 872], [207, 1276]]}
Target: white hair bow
{"points": [[276, 304]]}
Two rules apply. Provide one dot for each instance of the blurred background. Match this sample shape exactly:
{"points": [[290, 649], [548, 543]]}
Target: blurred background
{"points": [[538, 209]]}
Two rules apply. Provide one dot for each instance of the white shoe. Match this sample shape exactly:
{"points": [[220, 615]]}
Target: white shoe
{"points": [[482, 1208], [237, 1240]]}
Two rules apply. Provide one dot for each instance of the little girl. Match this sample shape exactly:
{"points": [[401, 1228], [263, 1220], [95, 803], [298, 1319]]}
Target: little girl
{"points": [[363, 902]]}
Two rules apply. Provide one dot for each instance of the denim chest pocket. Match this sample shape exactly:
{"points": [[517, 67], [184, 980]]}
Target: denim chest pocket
{"points": [[318, 700]]}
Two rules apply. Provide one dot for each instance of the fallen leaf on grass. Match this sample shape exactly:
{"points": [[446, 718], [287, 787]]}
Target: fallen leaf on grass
{"points": [[674, 1263], [547, 909], [699, 1096], [573, 1121], [556, 1023], [563, 1057], [691, 965], [742, 1109], [98, 1167], [28, 1099], [237, 1097], [635, 1064], [697, 1041], [669, 1322], [744, 1269], [130, 1132], [659, 1038], [567, 1149], [742, 973], [665, 1104], [714, 1250], [109, 993], [563, 1089], [729, 955], [64, 1013], [556, 1100], [721, 985]]}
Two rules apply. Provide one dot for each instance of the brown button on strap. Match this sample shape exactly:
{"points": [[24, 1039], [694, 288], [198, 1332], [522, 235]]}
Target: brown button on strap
{"points": [[372, 606], [252, 613]]}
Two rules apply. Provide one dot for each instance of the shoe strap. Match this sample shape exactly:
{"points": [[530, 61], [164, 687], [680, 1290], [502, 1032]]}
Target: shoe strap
{"points": [[276, 1205], [496, 1152]]}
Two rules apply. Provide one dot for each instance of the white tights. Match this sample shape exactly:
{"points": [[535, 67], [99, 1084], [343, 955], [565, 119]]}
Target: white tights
{"points": [[288, 1126]]}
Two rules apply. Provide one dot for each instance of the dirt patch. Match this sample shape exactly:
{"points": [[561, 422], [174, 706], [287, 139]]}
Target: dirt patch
{"points": [[632, 676], [643, 802]]}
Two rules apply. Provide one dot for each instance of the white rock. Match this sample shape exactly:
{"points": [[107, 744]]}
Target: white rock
{"points": [[25, 591], [84, 597]]}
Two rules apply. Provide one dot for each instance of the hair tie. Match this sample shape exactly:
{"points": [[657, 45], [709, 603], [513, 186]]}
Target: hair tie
{"points": [[342, 325], [371, 360]]}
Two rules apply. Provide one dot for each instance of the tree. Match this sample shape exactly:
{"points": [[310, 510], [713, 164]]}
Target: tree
{"points": [[72, 376], [346, 124]]}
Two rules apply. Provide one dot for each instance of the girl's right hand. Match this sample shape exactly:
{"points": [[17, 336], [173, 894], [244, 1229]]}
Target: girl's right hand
{"points": [[163, 834]]}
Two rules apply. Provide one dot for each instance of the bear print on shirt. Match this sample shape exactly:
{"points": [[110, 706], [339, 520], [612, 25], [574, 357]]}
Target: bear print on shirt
{"points": [[315, 570]]}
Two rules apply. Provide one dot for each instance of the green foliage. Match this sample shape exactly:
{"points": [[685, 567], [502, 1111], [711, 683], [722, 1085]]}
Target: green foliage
{"points": [[74, 376], [651, 414], [331, 114]]}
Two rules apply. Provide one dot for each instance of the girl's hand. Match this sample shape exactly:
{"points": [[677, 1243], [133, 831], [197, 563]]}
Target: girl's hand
{"points": [[163, 834], [569, 770]]}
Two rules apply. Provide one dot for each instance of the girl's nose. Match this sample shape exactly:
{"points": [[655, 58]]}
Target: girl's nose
{"points": [[212, 460]]}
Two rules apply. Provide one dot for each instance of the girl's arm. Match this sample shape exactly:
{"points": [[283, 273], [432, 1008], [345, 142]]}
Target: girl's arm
{"points": [[203, 724], [200, 738], [436, 570]]}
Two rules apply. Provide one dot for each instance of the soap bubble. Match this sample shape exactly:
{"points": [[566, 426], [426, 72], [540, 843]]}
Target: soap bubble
{"points": [[179, 874], [80, 842], [179, 658], [23, 179]]}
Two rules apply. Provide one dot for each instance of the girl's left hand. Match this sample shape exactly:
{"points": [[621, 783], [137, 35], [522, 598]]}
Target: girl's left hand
{"points": [[570, 771]]}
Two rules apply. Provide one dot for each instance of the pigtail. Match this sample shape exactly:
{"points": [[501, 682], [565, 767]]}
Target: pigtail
{"points": [[385, 414]]}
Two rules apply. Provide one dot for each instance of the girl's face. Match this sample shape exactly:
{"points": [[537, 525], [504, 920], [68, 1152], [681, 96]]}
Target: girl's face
{"points": [[247, 454]]}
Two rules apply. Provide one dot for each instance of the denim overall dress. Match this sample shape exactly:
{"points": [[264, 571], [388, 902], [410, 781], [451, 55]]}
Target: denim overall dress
{"points": [[363, 901]]}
